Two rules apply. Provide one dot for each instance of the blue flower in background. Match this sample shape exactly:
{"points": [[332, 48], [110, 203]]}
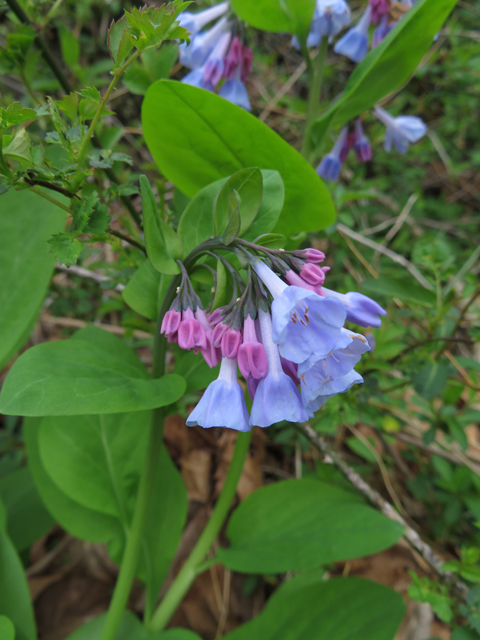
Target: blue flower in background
{"points": [[354, 44], [329, 18], [235, 91], [223, 403], [195, 54], [401, 131], [195, 22], [360, 309], [329, 168]]}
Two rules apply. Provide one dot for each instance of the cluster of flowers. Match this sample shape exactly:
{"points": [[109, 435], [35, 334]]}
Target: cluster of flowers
{"points": [[285, 332], [332, 16], [216, 56]]}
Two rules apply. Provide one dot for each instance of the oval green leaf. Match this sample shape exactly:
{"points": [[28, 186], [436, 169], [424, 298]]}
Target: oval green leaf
{"points": [[208, 138], [278, 16], [94, 372], [300, 524], [248, 183]]}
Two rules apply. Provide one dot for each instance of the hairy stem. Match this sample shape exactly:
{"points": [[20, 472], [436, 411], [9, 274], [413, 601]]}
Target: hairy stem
{"points": [[315, 81], [193, 565]]}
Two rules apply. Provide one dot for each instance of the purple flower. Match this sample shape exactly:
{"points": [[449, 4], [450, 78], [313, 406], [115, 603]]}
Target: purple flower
{"points": [[276, 398], [303, 322], [312, 274], [252, 359], [195, 79], [379, 9], [235, 91], [329, 168], [211, 355], [234, 58], [329, 18], [231, 341], [195, 54], [191, 334], [360, 309], [362, 147], [195, 22], [332, 374], [296, 281], [170, 323], [342, 385], [313, 255], [354, 44], [382, 31], [401, 131], [223, 403], [215, 65]]}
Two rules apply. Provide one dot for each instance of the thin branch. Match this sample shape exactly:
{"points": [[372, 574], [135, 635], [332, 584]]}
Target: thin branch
{"points": [[125, 238], [412, 537], [86, 273]]}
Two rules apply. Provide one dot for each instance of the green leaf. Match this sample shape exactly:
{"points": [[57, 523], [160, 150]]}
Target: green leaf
{"points": [[15, 114], [97, 461], [99, 220], [146, 290], [25, 265], [162, 243], [463, 633], [70, 47], [338, 609], [7, 630], [389, 65], [430, 380], [271, 240], [290, 16], [299, 524], [149, 26], [401, 289], [119, 45], [220, 298], [193, 368], [81, 522], [82, 210], [65, 247], [196, 224], [27, 518], [69, 105], [93, 372], [234, 222], [248, 183], [20, 148], [15, 602], [209, 138]]}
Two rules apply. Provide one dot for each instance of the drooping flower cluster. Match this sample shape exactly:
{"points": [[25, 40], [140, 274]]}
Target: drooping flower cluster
{"points": [[285, 332], [218, 58]]}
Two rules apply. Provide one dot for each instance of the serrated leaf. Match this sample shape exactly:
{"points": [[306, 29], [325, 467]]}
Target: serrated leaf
{"points": [[149, 26], [65, 247], [20, 148], [92, 93], [234, 223], [118, 43], [99, 220], [162, 243], [69, 105], [82, 211], [271, 240], [15, 114]]}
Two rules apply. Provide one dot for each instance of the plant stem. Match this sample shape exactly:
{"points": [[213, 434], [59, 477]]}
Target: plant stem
{"points": [[117, 74], [50, 199], [190, 569], [315, 81]]}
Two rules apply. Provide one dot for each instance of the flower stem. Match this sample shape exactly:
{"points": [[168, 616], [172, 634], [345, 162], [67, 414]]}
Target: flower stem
{"points": [[315, 81], [193, 565]]}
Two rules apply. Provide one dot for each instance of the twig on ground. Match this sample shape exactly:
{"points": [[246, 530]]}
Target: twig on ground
{"points": [[86, 273], [413, 538], [74, 323]]}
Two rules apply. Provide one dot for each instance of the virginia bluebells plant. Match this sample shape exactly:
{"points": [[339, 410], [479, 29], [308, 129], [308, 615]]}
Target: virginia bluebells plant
{"points": [[282, 329], [329, 18], [401, 131], [218, 59]]}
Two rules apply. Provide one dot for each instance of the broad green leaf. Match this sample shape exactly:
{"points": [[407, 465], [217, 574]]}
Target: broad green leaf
{"points": [[7, 630], [196, 223], [27, 517], [20, 148], [462, 633], [338, 609], [70, 47], [193, 368], [271, 240], [220, 297], [248, 183], [234, 222], [300, 524], [130, 629], [25, 265], [15, 602], [389, 65], [94, 372], [407, 291], [430, 381], [81, 522], [279, 16], [162, 243], [209, 138], [15, 114], [146, 290], [97, 462]]}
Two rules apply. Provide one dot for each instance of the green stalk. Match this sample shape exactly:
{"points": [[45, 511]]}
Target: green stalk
{"points": [[315, 79], [193, 565]]}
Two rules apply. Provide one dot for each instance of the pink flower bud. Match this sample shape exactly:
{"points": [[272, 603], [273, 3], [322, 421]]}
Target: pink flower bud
{"points": [[252, 360], [314, 255], [215, 317], [295, 280], [170, 323], [252, 384], [312, 274], [191, 334], [212, 356], [218, 333], [231, 342], [247, 60], [234, 58]]}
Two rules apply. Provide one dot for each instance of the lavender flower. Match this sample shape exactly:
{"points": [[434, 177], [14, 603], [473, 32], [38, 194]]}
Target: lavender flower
{"points": [[252, 359], [329, 168], [382, 31], [223, 403], [303, 322], [380, 8], [195, 79], [215, 65], [360, 309], [235, 91], [195, 22], [276, 398], [354, 44], [329, 18], [362, 147], [401, 131], [195, 54]]}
